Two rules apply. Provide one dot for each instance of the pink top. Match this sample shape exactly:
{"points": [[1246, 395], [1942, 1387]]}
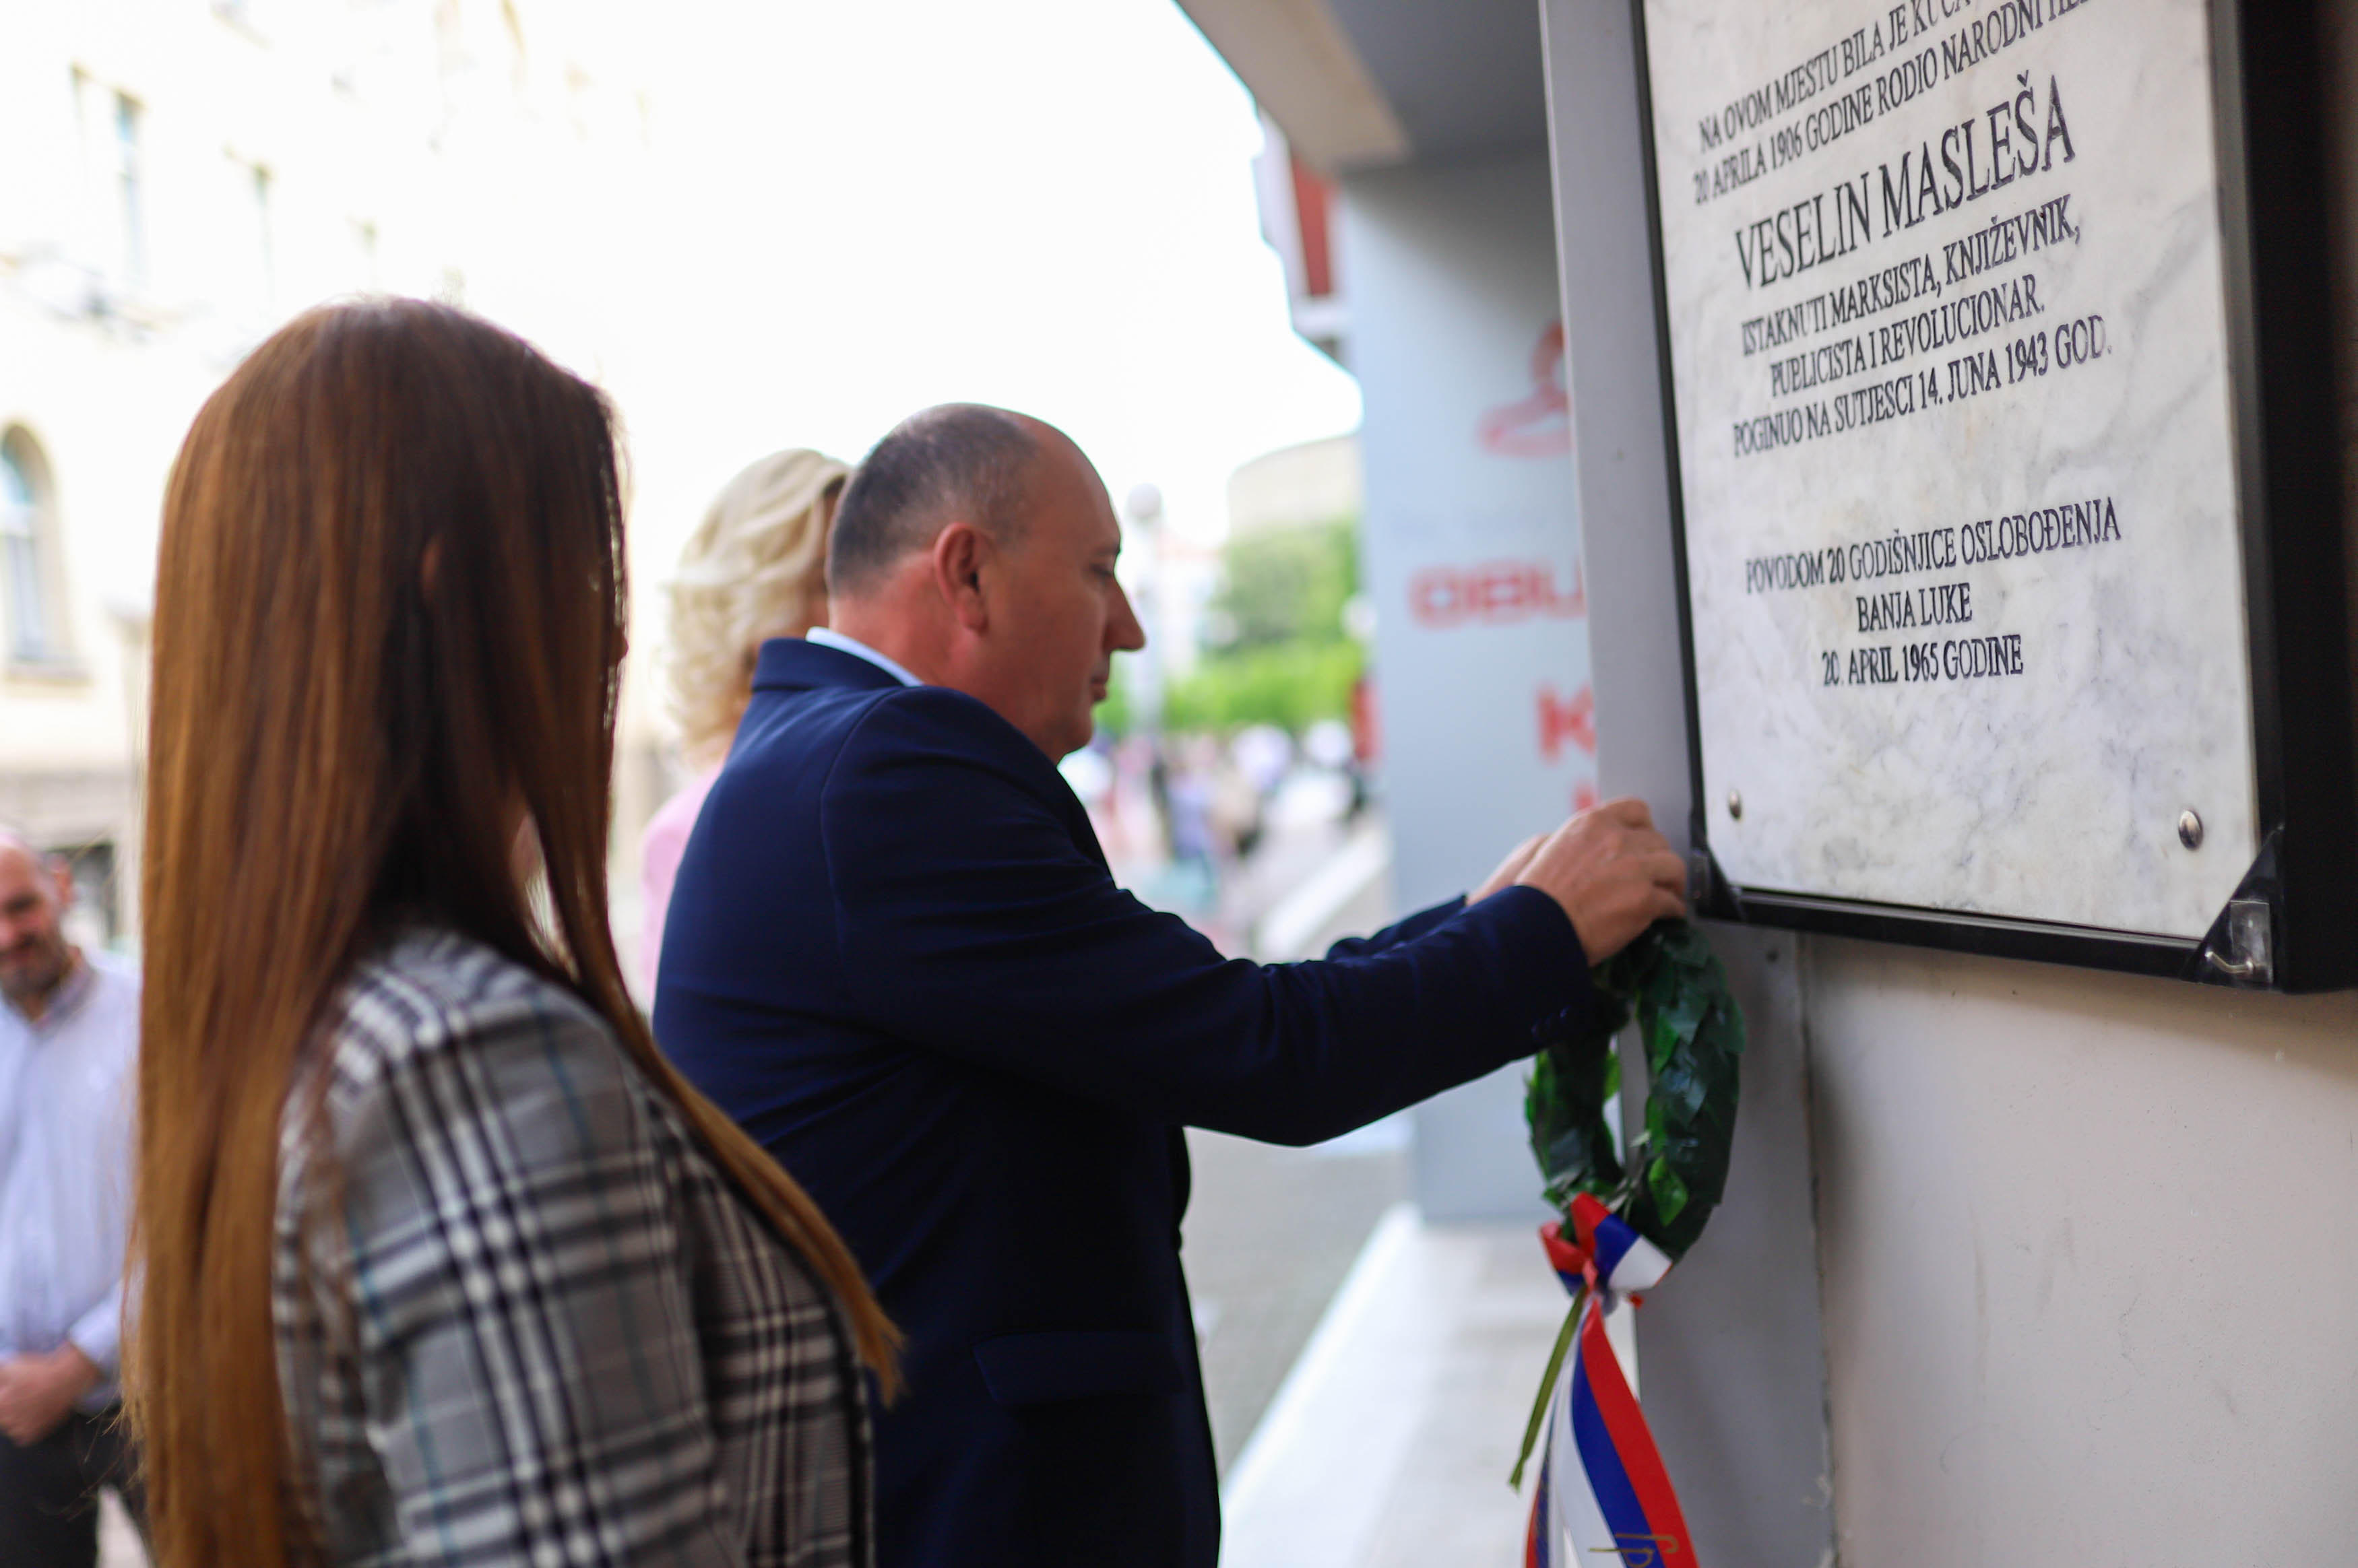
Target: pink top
{"points": [[659, 851]]}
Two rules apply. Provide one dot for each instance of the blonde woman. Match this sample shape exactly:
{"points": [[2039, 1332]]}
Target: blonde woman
{"points": [[755, 568]]}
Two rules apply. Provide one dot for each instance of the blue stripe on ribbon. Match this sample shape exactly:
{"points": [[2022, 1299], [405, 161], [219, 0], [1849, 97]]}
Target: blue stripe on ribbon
{"points": [[1615, 1499], [1542, 1551], [1613, 1237]]}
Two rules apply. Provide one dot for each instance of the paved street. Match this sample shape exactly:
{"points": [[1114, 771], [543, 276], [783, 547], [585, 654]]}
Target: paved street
{"points": [[1270, 1235], [1271, 1232], [1390, 1444]]}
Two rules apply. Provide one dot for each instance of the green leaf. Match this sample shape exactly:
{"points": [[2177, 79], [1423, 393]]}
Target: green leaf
{"points": [[1693, 1036], [1686, 1012], [1669, 1193]]}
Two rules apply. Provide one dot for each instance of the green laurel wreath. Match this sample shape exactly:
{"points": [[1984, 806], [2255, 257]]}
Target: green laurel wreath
{"points": [[1693, 1033]]}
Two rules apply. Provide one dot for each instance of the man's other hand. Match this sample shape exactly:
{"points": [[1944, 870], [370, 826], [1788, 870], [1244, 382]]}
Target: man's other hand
{"points": [[38, 1392], [1613, 874], [1508, 869]]}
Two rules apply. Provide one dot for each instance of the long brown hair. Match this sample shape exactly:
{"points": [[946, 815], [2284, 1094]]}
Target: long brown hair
{"points": [[389, 615]]}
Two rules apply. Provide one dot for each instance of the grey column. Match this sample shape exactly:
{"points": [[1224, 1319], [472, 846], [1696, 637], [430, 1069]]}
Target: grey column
{"points": [[1732, 1366]]}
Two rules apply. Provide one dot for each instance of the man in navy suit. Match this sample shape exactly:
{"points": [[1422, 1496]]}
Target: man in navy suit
{"points": [[894, 954]]}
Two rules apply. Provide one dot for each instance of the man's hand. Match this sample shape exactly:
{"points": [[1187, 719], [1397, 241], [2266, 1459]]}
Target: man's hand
{"points": [[1613, 874], [38, 1392], [1508, 869]]}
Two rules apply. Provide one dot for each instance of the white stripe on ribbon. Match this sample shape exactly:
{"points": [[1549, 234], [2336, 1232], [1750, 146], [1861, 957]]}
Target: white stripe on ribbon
{"points": [[1578, 1524], [1641, 1267]]}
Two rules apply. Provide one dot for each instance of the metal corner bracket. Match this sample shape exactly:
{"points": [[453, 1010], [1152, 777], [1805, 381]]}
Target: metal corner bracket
{"points": [[2240, 949]]}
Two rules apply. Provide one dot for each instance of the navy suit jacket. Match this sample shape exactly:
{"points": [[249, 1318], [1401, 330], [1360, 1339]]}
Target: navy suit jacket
{"points": [[894, 954]]}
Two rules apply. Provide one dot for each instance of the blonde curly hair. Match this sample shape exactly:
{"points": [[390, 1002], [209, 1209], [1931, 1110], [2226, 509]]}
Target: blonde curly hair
{"points": [[754, 568]]}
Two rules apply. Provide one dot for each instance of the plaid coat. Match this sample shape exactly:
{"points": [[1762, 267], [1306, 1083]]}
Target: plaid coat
{"points": [[521, 1318]]}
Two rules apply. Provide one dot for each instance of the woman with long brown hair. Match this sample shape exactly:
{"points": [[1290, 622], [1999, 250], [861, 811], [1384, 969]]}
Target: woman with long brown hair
{"points": [[439, 1259]]}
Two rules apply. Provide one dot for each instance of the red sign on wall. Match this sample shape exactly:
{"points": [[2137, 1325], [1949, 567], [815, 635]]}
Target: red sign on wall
{"points": [[1563, 720], [1570, 721], [1538, 424], [1495, 593]]}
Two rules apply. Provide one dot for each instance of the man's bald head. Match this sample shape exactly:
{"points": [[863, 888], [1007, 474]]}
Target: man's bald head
{"points": [[976, 549], [956, 463], [18, 854], [35, 958]]}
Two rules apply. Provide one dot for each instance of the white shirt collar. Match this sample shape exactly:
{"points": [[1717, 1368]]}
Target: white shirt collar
{"points": [[828, 638]]}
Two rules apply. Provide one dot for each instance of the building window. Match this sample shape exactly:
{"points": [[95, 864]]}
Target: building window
{"points": [[24, 575], [365, 243], [129, 172], [262, 234], [253, 263], [114, 169], [96, 919]]}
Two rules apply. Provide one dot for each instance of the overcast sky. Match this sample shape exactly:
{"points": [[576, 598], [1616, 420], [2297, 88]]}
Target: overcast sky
{"points": [[859, 209]]}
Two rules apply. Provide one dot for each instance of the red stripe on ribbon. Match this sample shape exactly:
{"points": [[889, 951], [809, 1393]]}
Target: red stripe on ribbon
{"points": [[1587, 1210], [1632, 1441], [1566, 1257]]}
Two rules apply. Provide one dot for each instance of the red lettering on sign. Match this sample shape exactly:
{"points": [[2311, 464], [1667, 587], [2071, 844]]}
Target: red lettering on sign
{"points": [[1562, 719], [1584, 796], [1537, 425], [1496, 593]]}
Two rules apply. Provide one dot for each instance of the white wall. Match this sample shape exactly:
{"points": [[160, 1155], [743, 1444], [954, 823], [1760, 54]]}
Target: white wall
{"points": [[2084, 1244], [1472, 556], [2090, 1264]]}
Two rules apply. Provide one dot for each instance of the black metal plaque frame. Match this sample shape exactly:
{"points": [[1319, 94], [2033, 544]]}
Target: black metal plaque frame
{"points": [[2300, 551]]}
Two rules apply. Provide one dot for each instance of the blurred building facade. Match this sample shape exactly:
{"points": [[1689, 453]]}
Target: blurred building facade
{"points": [[1405, 190], [1316, 482], [183, 178], [1938, 1153]]}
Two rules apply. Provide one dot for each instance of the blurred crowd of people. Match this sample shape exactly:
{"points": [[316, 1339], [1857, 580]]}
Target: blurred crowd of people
{"points": [[1179, 812]]}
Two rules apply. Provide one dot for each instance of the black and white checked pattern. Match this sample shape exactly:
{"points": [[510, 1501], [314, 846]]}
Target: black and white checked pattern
{"points": [[522, 1319]]}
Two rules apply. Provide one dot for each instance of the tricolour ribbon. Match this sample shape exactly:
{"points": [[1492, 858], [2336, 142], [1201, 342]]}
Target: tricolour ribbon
{"points": [[1601, 1492]]}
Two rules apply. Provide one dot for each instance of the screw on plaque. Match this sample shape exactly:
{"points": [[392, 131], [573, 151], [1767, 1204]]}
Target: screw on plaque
{"points": [[1736, 805], [2189, 829]]}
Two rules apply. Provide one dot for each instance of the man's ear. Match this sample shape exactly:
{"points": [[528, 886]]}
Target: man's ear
{"points": [[961, 554]]}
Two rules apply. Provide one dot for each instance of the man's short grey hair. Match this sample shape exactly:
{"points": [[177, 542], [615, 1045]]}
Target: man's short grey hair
{"points": [[958, 461]]}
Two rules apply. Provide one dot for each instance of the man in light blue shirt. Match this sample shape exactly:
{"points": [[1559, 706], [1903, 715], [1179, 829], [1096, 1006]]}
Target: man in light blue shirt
{"points": [[69, 1034]]}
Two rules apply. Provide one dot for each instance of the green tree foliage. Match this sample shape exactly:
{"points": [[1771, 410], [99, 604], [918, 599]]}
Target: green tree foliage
{"points": [[1288, 660], [1290, 684], [1288, 585], [1116, 713]]}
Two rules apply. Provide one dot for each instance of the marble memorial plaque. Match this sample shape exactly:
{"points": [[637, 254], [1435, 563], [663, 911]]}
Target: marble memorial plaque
{"points": [[1948, 346]]}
